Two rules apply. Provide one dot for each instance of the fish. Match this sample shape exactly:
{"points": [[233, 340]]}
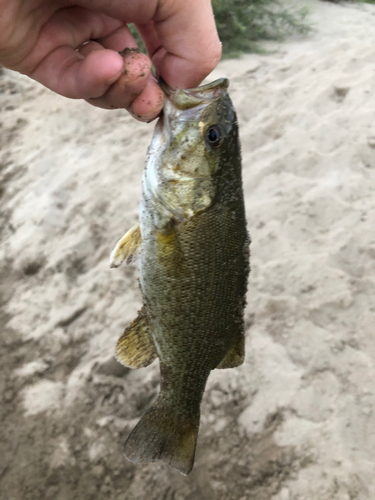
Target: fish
{"points": [[192, 247]]}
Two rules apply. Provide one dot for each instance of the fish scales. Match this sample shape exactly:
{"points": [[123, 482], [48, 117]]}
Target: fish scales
{"points": [[194, 264]]}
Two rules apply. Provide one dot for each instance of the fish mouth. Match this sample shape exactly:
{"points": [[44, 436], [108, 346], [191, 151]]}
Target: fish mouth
{"points": [[184, 99]]}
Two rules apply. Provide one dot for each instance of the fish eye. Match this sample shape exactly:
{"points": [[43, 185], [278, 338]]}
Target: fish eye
{"points": [[214, 136]]}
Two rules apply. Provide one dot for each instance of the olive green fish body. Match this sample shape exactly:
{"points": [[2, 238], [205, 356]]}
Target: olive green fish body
{"points": [[194, 264], [193, 279]]}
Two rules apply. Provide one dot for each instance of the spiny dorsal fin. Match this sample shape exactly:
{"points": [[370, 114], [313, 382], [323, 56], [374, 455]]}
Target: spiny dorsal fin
{"points": [[235, 356], [135, 348], [126, 248]]}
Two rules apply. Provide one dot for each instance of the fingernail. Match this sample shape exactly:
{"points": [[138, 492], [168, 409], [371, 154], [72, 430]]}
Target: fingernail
{"points": [[135, 66]]}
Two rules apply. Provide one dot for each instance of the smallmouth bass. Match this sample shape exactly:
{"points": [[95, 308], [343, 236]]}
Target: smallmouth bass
{"points": [[193, 251]]}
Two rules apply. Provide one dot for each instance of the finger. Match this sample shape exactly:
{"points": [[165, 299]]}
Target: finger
{"points": [[70, 74], [148, 105], [69, 27], [153, 44], [131, 83], [150, 37], [136, 90], [189, 44], [88, 47], [118, 40]]}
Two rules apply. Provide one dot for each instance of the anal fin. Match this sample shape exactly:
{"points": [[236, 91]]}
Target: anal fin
{"points": [[126, 248], [235, 356], [135, 348]]}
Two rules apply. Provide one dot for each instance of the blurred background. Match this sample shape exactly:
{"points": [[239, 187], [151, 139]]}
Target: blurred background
{"points": [[297, 420]]}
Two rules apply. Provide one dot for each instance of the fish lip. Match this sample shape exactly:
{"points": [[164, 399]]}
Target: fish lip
{"points": [[183, 99], [220, 82], [223, 83]]}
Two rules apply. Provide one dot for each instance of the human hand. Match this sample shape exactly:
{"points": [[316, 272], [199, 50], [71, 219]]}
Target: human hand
{"points": [[46, 40]]}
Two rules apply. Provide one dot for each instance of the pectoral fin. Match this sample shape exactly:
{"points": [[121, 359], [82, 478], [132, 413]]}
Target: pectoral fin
{"points": [[135, 348], [235, 356], [126, 248]]}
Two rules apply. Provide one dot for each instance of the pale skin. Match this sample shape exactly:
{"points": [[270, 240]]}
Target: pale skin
{"points": [[47, 40]]}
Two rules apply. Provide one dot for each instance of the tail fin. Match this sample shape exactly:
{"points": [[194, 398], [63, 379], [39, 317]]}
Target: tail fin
{"points": [[161, 434]]}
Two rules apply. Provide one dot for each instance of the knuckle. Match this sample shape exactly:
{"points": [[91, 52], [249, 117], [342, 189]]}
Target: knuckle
{"points": [[212, 56], [216, 53]]}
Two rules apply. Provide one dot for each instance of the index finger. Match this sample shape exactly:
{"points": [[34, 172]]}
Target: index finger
{"points": [[182, 41]]}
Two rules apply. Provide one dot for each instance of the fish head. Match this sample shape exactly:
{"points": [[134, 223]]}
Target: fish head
{"points": [[185, 152], [196, 123]]}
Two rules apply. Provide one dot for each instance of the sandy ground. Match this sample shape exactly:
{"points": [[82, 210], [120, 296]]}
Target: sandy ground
{"points": [[297, 420]]}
